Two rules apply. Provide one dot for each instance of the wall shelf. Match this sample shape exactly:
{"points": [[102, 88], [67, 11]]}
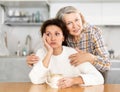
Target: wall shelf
{"points": [[25, 13], [23, 24], [22, 3]]}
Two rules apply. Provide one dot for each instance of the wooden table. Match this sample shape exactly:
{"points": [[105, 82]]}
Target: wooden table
{"points": [[29, 87]]}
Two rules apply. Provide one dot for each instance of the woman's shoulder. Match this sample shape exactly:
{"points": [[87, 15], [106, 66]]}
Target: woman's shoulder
{"points": [[69, 49], [40, 51], [92, 29]]}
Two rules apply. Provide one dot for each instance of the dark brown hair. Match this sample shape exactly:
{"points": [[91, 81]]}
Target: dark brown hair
{"points": [[57, 23]]}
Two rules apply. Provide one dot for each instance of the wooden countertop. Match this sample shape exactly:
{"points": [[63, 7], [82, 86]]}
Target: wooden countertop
{"points": [[29, 87]]}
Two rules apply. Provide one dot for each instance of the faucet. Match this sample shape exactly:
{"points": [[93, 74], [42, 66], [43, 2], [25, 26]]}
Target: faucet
{"points": [[28, 43]]}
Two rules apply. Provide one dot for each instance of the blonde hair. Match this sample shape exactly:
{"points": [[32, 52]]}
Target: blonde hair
{"points": [[67, 10]]}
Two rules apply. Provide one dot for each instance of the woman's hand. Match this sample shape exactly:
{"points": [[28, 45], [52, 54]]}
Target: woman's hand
{"points": [[65, 82], [81, 57], [46, 59], [48, 47], [69, 81], [32, 59]]}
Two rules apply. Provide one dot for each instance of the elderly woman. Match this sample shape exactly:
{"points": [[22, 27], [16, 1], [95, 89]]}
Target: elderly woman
{"points": [[54, 58], [87, 40]]}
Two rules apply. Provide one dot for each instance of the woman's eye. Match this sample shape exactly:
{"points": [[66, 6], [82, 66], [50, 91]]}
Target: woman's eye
{"points": [[57, 34], [48, 34], [77, 20], [68, 23]]}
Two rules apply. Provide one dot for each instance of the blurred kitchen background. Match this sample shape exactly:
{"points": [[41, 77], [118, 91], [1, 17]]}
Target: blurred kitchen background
{"points": [[20, 22]]}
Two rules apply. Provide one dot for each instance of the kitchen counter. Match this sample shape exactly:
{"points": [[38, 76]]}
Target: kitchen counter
{"points": [[14, 69], [4, 58], [13, 56]]}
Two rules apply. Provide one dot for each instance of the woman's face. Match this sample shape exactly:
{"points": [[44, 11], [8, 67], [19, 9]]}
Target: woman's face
{"points": [[73, 23], [54, 36]]}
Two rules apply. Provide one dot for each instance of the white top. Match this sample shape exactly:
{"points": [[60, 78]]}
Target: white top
{"points": [[60, 64]]}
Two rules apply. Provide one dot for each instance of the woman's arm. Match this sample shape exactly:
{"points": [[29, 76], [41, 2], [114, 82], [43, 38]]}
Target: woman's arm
{"points": [[49, 49], [39, 72], [81, 57], [101, 60], [88, 75], [102, 63]]}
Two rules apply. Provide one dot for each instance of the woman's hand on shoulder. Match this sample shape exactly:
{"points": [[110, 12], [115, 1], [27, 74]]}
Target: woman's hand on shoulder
{"points": [[32, 59], [81, 57]]}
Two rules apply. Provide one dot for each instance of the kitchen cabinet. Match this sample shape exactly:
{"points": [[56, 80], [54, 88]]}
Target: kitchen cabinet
{"points": [[92, 15], [14, 69], [110, 13], [112, 76], [30, 12], [96, 13]]}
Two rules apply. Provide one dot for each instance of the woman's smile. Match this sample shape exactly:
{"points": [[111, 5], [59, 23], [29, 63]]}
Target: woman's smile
{"points": [[76, 31]]}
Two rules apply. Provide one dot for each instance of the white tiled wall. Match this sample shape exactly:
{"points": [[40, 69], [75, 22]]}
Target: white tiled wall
{"points": [[15, 34], [111, 36]]}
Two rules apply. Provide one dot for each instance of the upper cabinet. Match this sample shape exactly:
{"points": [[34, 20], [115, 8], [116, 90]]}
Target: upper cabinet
{"points": [[95, 12], [34, 12], [91, 11], [111, 13], [21, 12]]}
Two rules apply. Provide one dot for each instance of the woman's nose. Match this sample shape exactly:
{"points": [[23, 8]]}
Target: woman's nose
{"points": [[75, 25], [52, 37]]}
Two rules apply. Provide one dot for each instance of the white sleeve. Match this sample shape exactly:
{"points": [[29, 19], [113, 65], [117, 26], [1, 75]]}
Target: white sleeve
{"points": [[90, 75], [38, 74]]}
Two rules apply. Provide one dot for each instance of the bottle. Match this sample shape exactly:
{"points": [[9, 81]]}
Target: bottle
{"points": [[37, 16], [24, 52], [18, 48]]}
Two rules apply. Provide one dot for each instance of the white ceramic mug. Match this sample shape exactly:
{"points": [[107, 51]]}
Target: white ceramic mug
{"points": [[52, 80]]}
